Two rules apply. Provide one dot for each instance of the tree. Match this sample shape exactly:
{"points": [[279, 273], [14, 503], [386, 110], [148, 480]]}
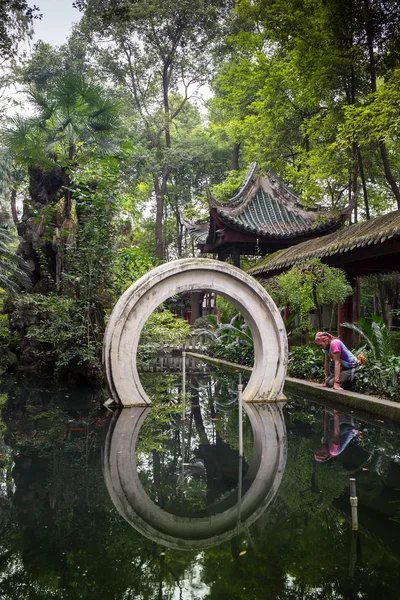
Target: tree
{"points": [[308, 285], [46, 62], [13, 275], [290, 72], [156, 51], [74, 122], [16, 18]]}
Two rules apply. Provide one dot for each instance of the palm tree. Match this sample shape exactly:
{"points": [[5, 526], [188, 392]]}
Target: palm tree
{"points": [[73, 122], [376, 336], [13, 270]]}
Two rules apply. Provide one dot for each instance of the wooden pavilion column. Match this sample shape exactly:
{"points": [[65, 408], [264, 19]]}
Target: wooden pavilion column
{"points": [[236, 256], [346, 315], [195, 301]]}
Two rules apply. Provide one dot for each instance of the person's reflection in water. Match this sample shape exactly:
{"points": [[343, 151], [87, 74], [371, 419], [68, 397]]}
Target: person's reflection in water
{"points": [[339, 430]]}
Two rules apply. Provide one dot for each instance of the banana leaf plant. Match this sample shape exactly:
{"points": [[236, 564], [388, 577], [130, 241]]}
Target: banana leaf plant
{"points": [[231, 340]]}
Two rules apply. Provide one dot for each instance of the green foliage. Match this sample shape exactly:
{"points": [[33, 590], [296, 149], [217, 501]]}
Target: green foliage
{"points": [[4, 331], [201, 323], [166, 46], [231, 340], [62, 338], [296, 88], [8, 343], [377, 117], [380, 375], [226, 309], [306, 362], [73, 117], [162, 328], [90, 263], [230, 186], [129, 265], [15, 25], [380, 378], [307, 285], [376, 335], [13, 270]]}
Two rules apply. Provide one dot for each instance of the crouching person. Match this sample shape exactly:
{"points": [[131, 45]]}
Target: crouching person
{"points": [[340, 364]]}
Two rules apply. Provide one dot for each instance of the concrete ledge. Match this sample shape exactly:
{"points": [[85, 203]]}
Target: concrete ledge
{"points": [[361, 402], [377, 406]]}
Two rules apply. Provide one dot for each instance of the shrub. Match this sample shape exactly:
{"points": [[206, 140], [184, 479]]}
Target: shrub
{"points": [[57, 335], [230, 341], [309, 284], [162, 328], [376, 335], [306, 362], [380, 375], [379, 378]]}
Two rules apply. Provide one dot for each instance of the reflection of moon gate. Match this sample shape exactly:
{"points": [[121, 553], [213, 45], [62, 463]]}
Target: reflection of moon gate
{"points": [[189, 275], [260, 484]]}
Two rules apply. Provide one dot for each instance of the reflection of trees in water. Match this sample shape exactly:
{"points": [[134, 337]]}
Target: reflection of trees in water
{"points": [[61, 536], [207, 441]]}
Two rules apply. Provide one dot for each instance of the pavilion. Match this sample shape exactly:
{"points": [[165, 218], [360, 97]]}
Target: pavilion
{"points": [[263, 217]]}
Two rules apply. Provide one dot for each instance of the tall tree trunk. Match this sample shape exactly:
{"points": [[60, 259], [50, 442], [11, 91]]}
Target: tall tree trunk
{"points": [[160, 191], [13, 203], [318, 309], [363, 182], [388, 172], [235, 157], [382, 298], [370, 30]]}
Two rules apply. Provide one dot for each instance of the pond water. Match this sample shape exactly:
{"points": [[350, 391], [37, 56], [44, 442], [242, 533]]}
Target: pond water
{"points": [[158, 504]]}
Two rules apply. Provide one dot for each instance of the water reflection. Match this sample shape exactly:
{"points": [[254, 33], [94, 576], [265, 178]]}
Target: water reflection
{"points": [[165, 517], [339, 430], [62, 537]]}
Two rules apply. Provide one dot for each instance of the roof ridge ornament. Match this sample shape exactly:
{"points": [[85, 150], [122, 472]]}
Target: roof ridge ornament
{"points": [[249, 179]]}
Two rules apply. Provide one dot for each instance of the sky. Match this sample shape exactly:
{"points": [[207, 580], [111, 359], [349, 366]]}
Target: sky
{"points": [[58, 18]]}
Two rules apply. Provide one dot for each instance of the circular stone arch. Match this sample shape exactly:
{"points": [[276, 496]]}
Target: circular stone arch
{"points": [[193, 275]]}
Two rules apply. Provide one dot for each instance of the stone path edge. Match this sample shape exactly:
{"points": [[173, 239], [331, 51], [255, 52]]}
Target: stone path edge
{"points": [[377, 406], [371, 404]]}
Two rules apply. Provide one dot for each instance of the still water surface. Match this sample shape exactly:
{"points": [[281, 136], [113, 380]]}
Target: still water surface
{"points": [[140, 504]]}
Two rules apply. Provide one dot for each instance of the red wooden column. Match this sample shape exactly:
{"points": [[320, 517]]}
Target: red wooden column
{"points": [[346, 315], [195, 301]]}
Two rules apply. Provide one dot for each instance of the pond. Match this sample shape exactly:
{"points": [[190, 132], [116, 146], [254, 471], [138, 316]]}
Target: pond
{"points": [[158, 504]]}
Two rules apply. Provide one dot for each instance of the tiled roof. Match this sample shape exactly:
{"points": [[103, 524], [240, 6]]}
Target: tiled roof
{"points": [[266, 216], [197, 231], [375, 231], [265, 207]]}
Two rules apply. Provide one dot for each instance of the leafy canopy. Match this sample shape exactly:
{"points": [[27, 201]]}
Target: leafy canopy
{"points": [[307, 285]]}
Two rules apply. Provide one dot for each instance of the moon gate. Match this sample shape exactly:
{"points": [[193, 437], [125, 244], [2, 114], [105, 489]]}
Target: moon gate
{"points": [[192, 275]]}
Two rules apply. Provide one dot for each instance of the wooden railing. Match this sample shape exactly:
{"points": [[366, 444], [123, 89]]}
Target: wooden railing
{"points": [[169, 358]]}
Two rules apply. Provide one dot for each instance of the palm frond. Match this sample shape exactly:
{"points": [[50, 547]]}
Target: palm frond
{"points": [[376, 335], [361, 333]]}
